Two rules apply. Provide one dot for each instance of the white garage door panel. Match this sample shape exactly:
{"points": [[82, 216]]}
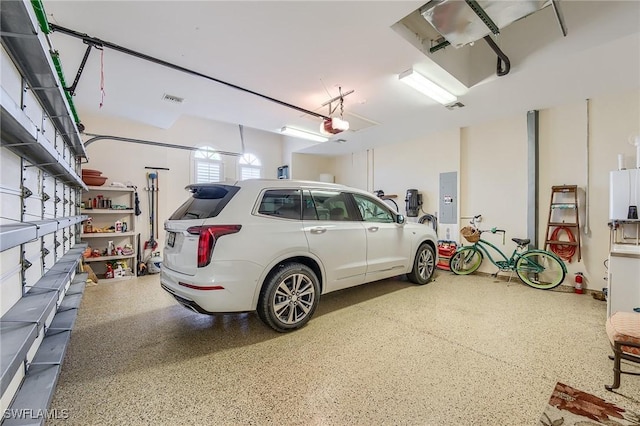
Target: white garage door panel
{"points": [[10, 171], [9, 205], [49, 131], [32, 180], [33, 253], [10, 187], [32, 108], [66, 154], [11, 78], [68, 207], [71, 234], [11, 288], [49, 188], [59, 246], [60, 211], [75, 201], [65, 239], [49, 259]]}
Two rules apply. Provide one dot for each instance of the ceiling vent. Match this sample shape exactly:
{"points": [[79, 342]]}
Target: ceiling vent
{"points": [[172, 99]]}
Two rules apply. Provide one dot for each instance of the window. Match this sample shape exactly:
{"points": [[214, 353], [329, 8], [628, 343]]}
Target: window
{"points": [[250, 167], [373, 211], [332, 205], [283, 203], [208, 166], [206, 201]]}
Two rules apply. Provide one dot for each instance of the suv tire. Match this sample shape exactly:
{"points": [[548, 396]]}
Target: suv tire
{"points": [[289, 297], [424, 265]]}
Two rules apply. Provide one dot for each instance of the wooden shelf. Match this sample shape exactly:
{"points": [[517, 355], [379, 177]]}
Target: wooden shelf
{"points": [[107, 234], [107, 258], [109, 188], [107, 211]]}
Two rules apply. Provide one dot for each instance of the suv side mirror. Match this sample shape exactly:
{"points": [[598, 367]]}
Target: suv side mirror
{"points": [[400, 219]]}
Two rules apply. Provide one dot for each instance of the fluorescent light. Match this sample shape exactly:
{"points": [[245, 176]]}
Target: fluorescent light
{"points": [[303, 134], [427, 87]]}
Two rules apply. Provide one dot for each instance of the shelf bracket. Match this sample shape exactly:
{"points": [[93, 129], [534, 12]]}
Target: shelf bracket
{"points": [[26, 264]]}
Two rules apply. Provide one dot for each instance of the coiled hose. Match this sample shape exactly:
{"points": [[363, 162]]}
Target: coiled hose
{"points": [[429, 218], [564, 251]]}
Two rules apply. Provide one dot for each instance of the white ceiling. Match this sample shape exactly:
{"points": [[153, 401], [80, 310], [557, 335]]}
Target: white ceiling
{"points": [[300, 52]]}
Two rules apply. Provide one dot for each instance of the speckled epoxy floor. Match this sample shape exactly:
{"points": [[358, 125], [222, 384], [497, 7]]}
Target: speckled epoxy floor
{"points": [[458, 351]]}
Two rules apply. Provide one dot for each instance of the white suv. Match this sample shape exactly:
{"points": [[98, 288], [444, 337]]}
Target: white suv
{"points": [[276, 245]]}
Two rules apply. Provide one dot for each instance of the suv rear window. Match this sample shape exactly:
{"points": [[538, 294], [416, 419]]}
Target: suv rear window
{"points": [[282, 203], [206, 201]]}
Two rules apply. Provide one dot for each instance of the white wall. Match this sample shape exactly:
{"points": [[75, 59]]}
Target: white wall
{"points": [[416, 164], [493, 180], [289, 146], [310, 167], [125, 162], [354, 169], [491, 159]]}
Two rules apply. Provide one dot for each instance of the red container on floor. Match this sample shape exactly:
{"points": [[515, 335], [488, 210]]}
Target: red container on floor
{"points": [[446, 249]]}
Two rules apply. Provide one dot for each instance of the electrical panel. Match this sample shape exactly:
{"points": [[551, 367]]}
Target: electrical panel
{"points": [[448, 198]]}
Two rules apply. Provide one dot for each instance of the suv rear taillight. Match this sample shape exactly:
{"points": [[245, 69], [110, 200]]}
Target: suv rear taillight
{"points": [[207, 241]]}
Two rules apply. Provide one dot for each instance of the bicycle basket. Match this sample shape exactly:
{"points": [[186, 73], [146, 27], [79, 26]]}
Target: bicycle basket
{"points": [[470, 234]]}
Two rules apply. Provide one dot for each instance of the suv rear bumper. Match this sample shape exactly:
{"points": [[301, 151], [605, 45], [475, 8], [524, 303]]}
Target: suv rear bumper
{"points": [[189, 304], [236, 283]]}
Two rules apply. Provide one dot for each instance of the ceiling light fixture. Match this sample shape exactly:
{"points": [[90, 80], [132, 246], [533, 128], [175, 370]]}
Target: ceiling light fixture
{"points": [[427, 87], [304, 134]]}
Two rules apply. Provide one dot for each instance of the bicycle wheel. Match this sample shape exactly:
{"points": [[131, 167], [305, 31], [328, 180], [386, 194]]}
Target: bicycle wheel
{"points": [[466, 260], [540, 269]]}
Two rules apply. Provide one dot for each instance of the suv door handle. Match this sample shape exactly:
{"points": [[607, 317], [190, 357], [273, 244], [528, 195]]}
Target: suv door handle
{"points": [[318, 230], [373, 228]]}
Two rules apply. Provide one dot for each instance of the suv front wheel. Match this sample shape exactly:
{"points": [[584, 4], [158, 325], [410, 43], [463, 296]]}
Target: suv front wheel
{"points": [[424, 265], [289, 297]]}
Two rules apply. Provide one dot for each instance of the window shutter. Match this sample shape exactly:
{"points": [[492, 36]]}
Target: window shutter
{"points": [[248, 172], [208, 171]]}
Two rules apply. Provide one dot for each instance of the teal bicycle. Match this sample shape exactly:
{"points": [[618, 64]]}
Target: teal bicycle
{"points": [[537, 268]]}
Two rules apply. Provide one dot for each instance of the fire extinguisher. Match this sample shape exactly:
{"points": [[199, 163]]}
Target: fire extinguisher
{"points": [[578, 282]]}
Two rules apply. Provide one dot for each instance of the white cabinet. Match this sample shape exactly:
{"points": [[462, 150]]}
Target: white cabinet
{"points": [[624, 280], [112, 234]]}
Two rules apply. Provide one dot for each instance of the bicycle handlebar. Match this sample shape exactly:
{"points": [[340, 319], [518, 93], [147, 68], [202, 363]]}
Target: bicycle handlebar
{"points": [[492, 230]]}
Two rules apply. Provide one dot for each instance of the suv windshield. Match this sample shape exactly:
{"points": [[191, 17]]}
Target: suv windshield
{"points": [[206, 201]]}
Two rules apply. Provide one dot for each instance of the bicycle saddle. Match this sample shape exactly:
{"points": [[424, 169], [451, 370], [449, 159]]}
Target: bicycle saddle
{"points": [[520, 241]]}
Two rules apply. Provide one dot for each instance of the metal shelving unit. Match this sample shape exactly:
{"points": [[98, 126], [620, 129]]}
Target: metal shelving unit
{"points": [[39, 259]]}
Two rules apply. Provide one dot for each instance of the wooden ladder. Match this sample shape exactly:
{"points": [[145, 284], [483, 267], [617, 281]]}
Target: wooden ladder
{"points": [[563, 199]]}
